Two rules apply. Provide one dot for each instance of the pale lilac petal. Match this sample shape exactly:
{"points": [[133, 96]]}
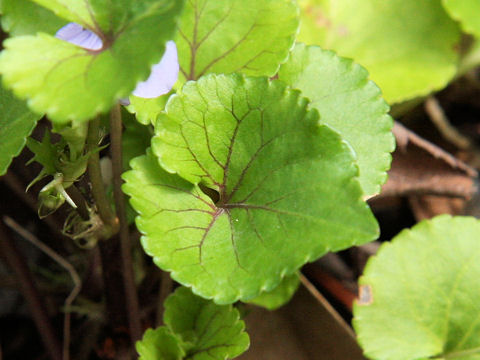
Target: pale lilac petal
{"points": [[76, 34], [163, 76]]}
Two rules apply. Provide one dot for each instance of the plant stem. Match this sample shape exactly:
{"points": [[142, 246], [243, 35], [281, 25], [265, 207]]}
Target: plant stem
{"points": [[31, 294], [79, 200], [128, 275], [95, 175]]}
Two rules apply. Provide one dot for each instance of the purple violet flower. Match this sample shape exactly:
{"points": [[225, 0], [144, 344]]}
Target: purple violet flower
{"points": [[162, 76]]}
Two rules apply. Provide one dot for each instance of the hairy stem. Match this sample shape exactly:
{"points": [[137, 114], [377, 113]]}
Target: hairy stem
{"points": [[128, 275], [16, 262], [95, 175]]}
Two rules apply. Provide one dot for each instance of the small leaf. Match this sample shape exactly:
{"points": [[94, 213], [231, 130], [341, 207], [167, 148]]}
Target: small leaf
{"points": [[407, 46], [22, 17], [147, 110], [466, 12], [420, 294], [209, 331], [159, 344], [69, 82], [249, 36], [279, 296], [16, 124], [339, 89], [280, 177]]}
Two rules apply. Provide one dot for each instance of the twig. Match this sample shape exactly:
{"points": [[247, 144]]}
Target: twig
{"points": [[128, 276], [327, 305], [166, 286], [77, 282], [31, 294], [95, 175], [440, 120]]}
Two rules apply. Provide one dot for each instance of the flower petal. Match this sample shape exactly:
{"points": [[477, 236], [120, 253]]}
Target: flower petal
{"points": [[163, 76], [76, 34]]}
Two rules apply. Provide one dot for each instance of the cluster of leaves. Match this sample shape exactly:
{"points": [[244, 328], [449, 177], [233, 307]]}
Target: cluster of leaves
{"points": [[246, 178]]}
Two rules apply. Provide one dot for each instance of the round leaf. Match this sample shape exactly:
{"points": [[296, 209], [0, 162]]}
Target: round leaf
{"points": [[209, 331], [419, 294], [287, 188], [249, 36], [348, 102], [16, 124], [72, 83], [408, 46], [466, 12]]}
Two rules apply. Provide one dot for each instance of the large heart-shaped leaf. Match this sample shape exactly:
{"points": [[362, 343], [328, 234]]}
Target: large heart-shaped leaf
{"points": [[287, 188], [22, 17], [419, 294], [351, 104], [249, 36], [408, 46], [16, 124], [467, 12], [69, 82]]}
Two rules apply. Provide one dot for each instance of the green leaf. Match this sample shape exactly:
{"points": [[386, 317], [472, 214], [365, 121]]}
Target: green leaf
{"points": [[227, 36], [71, 83], [280, 295], [22, 17], [159, 344], [280, 177], [466, 12], [75, 136], [16, 124], [147, 110], [408, 46], [209, 331], [348, 102], [419, 294]]}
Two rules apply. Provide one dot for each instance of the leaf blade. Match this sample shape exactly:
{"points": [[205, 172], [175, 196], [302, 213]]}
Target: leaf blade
{"points": [[50, 72], [348, 102], [256, 42], [16, 124], [244, 243], [425, 279], [383, 37]]}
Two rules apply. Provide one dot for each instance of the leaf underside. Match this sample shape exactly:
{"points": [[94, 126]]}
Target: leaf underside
{"points": [[16, 124], [348, 102], [71, 83], [287, 188], [235, 36], [422, 293], [408, 46]]}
